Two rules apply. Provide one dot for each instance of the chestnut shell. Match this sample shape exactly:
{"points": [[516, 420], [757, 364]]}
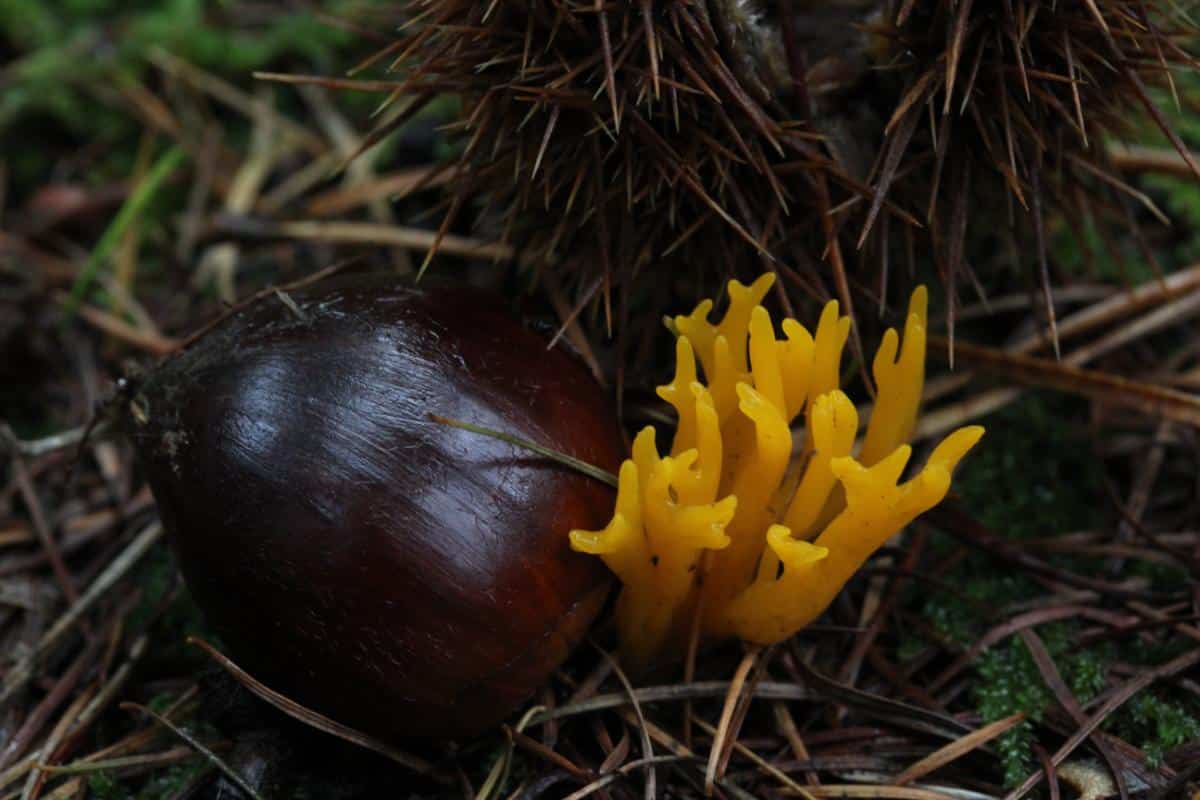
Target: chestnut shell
{"points": [[400, 576]]}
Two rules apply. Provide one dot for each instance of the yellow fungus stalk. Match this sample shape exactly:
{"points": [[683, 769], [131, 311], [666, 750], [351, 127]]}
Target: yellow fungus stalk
{"points": [[739, 529]]}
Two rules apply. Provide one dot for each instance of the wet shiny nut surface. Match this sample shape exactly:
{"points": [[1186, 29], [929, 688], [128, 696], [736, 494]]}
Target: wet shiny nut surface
{"points": [[401, 576]]}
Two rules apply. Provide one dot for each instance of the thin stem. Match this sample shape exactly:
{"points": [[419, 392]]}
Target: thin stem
{"points": [[591, 470]]}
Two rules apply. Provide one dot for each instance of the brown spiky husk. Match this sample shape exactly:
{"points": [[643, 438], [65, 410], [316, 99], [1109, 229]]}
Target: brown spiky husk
{"points": [[613, 137], [1017, 102], [692, 138]]}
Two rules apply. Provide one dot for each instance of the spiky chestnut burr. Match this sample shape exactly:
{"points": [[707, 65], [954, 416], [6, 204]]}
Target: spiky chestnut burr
{"points": [[1016, 103], [614, 138], [623, 139]]}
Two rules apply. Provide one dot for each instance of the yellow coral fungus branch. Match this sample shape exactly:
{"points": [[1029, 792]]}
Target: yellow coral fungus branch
{"points": [[654, 541], [756, 461], [721, 348], [773, 608], [899, 381], [679, 394], [776, 557]]}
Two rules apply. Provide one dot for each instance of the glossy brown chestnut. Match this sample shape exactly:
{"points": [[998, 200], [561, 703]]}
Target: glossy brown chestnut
{"points": [[398, 575]]}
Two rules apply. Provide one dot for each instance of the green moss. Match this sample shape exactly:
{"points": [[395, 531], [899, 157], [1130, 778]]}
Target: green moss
{"points": [[1036, 476], [1010, 682], [103, 786], [1157, 725], [1012, 485], [1019, 493], [1087, 672], [168, 783], [1160, 718], [984, 593], [161, 785]]}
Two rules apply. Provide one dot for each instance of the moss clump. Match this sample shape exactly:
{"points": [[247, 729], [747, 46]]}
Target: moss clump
{"points": [[1161, 718], [1157, 725], [170, 782], [104, 786], [163, 784], [1020, 494], [1005, 689], [1009, 682], [1016, 490]]}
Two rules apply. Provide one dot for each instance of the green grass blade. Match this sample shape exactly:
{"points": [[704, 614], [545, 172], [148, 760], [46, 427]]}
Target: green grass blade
{"points": [[142, 194]]}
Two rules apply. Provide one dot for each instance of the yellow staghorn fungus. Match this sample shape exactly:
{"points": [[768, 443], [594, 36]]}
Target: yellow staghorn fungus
{"points": [[721, 531]]}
